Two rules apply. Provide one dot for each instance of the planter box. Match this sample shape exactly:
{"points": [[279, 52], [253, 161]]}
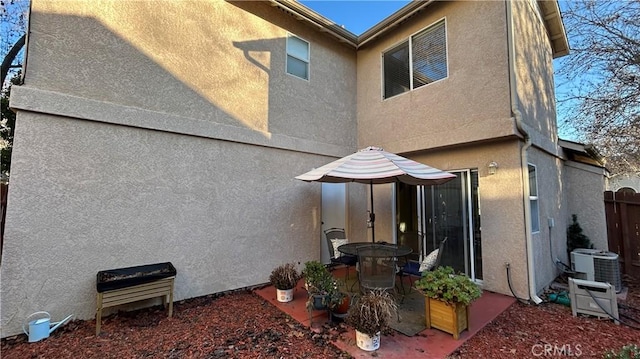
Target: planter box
{"points": [[131, 284], [159, 288], [126, 277], [450, 318]]}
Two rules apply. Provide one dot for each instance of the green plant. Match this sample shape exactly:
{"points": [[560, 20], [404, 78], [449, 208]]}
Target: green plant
{"points": [[575, 237], [284, 276], [629, 351], [335, 297], [318, 278], [371, 312], [443, 284]]}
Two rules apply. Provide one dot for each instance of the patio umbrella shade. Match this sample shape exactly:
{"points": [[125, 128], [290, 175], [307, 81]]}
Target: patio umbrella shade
{"points": [[373, 165]]}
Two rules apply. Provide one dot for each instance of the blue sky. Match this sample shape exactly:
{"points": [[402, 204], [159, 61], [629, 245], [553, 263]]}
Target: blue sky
{"points": [[356, 16]]}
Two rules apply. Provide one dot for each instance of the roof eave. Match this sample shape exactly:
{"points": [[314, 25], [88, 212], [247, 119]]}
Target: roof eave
{"points": [[587, 150], [394, 19], [555, 27], [323, 24], [305, 14]]}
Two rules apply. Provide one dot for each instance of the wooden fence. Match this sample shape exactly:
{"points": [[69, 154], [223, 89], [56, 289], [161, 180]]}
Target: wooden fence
{"points": [[623, 229]]}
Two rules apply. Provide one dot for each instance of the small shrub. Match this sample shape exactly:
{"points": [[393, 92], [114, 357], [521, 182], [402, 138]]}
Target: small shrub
{"points": [[630, 351], [371, 313], [284, 276], [443, 284], [318, 278], [575, 237]]}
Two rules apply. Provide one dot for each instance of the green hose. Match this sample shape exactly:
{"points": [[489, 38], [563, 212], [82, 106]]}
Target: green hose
{"points": [[560, 298]]}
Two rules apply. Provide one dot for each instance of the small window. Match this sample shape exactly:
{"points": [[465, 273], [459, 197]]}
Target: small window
{"points": [[420, 60], [533, 199], [297, 57]]}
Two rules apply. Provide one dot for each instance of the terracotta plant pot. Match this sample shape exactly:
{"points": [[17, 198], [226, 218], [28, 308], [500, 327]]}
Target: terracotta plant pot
{"points": [[339, 312], [343, 307]]}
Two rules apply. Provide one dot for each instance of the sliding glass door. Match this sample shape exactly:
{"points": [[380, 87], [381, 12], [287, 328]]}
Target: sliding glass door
{"points": [[426, 215]]}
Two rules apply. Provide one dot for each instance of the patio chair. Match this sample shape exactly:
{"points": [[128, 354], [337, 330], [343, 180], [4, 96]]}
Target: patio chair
{"points": [[335, 238], [431, 262], [376, 268]]}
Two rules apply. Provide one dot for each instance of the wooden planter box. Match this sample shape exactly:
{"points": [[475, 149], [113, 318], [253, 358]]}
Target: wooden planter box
{"points": [[450, 318], [159, 288]]}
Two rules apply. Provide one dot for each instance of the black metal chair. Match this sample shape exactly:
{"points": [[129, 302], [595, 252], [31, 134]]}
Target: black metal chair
{"points": [[376, 268], [412, 268], [335, 237]]}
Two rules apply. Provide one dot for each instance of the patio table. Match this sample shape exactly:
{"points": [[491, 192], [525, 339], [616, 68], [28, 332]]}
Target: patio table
{"points": [[381, 251], [377, 249]]}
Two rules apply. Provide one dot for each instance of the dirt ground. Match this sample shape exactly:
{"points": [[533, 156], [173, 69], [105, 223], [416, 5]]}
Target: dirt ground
{"points": [[243, 325]]}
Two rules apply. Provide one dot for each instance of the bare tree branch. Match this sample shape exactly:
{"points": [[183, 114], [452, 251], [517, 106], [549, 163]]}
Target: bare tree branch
{"points": [[11, 55], [600, 80]]}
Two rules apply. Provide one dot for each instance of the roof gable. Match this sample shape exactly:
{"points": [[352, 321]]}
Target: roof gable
{"points": [[550, 13]]}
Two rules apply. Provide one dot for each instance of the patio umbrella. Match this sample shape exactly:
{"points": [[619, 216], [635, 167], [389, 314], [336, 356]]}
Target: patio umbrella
{"points": [[373, 165]]}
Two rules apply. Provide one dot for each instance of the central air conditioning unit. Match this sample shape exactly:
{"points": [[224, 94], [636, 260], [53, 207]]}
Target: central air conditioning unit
{"points": [[597, 265]]}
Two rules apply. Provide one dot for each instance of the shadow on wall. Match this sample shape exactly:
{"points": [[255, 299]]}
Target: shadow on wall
{"points": [[534, 66], [122, 194], [193, 61]]}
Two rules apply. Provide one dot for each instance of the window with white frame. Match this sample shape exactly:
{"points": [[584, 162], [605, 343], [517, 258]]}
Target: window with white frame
{"points": [[297, 57], [420, 60], [533, 199]]}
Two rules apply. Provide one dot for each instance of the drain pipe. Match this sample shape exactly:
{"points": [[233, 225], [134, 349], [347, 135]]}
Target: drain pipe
{"points": [[517, 115]]}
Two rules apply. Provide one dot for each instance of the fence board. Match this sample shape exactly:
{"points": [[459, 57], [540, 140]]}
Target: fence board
{"points": [[623, 229]]}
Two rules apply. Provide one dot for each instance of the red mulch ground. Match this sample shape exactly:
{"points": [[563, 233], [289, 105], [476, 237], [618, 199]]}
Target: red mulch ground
{"points": [[528, 331], [243, 325]]}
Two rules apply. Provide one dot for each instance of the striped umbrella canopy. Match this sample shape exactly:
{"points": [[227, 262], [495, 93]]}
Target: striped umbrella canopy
{"points": [[373, 165]]}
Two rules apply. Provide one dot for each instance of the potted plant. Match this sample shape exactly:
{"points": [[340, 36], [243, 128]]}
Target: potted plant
{"points": [[284, 277], [369, 316], [338, 302], [319, 283], [447, 297]]}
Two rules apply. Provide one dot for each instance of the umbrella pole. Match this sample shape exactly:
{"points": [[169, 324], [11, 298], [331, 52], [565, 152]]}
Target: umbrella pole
{"points": [[373, 215]]}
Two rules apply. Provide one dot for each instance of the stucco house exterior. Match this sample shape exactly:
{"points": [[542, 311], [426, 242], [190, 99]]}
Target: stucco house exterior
{"points": [[624, 182], [151, 132]]}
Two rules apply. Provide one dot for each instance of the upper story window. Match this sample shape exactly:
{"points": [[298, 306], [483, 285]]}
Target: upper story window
{"points": [[420, 60], [533, 199], [297, 57]]}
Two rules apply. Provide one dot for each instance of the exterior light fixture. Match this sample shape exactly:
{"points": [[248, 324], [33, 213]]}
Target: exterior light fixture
{"points": [[493, 167]]}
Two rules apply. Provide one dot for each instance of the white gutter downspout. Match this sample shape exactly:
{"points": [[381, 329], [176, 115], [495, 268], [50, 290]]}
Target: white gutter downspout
{"points": [[533, 296]]}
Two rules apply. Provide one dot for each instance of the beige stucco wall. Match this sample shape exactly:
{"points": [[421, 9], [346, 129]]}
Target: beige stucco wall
{"points": [[501, 206], [548, 243], [471, 104], [561, 189], [534, 75], [154, 133], [623, 181], [166, 133], [564, 188], [585, 187], [211, 61]]}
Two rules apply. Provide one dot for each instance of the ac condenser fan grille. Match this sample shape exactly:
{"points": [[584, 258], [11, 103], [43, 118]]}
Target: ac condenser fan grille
{"points": [[607, 269]]}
